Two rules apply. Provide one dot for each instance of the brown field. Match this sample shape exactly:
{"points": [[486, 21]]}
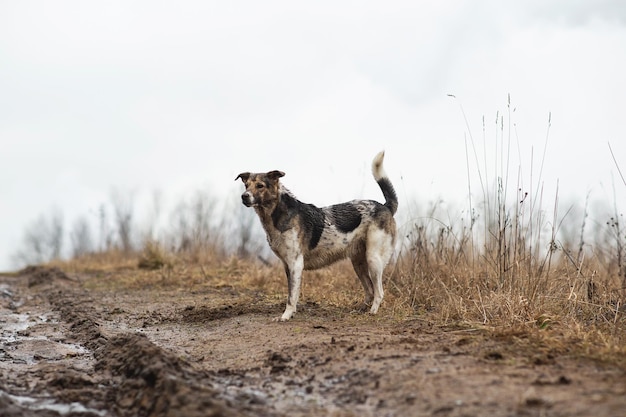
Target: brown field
{"points": [[100, 336]]}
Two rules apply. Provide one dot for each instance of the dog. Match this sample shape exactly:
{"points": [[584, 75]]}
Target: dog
{"points": [[306, 237]]}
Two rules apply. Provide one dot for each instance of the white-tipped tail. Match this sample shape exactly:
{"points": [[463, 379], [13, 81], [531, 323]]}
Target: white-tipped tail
{"points": [[391, 199], [377, 166]]}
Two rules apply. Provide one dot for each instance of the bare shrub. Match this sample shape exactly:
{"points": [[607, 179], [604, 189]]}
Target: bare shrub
{"points": [[80, 237], [156, 208], [193, 225], [105, 231], [248, 238], [123, 211], [42, 240]]}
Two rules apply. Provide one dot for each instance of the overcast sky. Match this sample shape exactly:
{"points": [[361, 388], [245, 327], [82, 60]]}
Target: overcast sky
{"points": [[181, 95]]}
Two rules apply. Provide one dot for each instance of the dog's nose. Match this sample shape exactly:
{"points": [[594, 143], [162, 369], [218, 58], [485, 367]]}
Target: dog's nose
{"points": [[246, 199]]}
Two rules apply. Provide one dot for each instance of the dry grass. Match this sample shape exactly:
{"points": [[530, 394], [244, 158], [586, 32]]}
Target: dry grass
{"points": [[507, 263], [490, 277], [555, 311]]}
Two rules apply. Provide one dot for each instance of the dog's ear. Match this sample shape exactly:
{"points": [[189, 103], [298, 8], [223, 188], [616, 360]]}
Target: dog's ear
{"points": [[244, 176], [274, 175]]}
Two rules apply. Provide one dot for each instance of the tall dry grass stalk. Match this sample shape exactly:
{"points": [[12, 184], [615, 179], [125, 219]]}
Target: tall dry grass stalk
{"points": [[505, 263]]}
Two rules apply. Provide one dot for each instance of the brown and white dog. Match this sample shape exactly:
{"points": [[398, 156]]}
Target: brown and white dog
{"points": [[307, 237]]}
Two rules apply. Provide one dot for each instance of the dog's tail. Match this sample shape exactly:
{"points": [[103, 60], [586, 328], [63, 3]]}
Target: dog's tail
{"points": [[391, 199]]}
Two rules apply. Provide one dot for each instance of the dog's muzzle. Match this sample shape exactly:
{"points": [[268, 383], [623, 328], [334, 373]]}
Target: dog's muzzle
{"points": [[247, 199]]}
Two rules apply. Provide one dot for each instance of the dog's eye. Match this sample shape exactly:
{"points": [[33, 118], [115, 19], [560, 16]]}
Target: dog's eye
{"points": [[260, 185]]}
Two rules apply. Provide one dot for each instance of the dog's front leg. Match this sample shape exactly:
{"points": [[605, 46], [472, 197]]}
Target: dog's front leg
{"points": [[293, 270]]}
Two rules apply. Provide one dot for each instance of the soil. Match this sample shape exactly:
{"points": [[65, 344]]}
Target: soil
{"points": [[72, 348]]}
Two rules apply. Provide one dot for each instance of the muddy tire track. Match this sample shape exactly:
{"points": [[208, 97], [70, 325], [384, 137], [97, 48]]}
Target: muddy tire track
{"points": [[130, 375]]}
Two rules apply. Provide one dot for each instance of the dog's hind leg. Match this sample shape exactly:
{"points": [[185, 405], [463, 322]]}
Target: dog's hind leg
{"points": [[376, 267], [379, 251], [359, 263]]}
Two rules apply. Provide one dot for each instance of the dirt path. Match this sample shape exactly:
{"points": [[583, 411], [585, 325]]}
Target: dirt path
{"points": [[71, 348]]}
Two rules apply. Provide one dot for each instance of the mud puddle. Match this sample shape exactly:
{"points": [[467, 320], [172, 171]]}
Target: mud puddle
{"points": [[22, 405], [25, 339], [33, 345], [61, 359]]}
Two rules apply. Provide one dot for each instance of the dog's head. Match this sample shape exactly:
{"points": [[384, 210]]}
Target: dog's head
{"points": [[262, 189]]}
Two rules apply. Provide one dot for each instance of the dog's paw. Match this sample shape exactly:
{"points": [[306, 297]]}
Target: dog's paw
{"points": [[288, 314], [376, 305], [362, 307]]}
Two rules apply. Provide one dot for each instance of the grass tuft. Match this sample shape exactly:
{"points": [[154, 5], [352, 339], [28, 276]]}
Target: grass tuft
{"points": [[153, 256]]}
